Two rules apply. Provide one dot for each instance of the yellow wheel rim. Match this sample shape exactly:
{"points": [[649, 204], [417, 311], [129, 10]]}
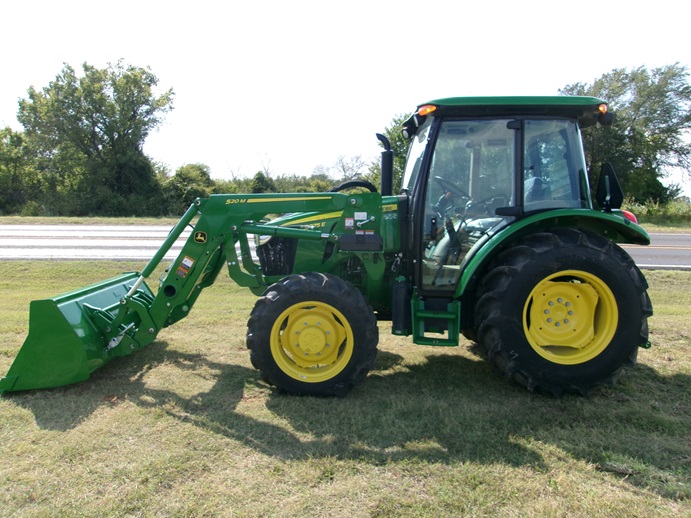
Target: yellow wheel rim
{"points": [[570, 317], [311, 341]]}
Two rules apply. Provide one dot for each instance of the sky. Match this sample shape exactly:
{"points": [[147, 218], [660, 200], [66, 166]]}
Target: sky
{"points": [[288, 86]]}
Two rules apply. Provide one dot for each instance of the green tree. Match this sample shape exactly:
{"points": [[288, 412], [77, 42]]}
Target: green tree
{"points": [[21, 187], [88, 133], [262, 183], [399, 146], [234, 185], [12, 177], [649, 135], [191, 181], [319, 182]]}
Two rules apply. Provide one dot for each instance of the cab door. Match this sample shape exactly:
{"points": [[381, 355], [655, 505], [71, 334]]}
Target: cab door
{"points": [[471, 173]]}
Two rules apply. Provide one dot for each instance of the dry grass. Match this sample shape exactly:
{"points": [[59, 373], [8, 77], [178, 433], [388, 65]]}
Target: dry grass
{"points": [[186, 428]]}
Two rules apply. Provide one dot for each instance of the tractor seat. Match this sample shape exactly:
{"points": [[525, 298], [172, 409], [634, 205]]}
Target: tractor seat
{"points": [[536, 189]]}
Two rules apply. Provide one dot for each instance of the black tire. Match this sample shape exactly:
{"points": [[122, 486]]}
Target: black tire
{"points": [[543, 298], [290, 333]]}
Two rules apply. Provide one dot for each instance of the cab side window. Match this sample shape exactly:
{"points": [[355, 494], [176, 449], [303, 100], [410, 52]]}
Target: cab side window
{"points": [[550, 179]]}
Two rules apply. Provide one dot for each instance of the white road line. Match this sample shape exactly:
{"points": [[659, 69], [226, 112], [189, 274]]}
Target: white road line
{"points": [[664, 266]]}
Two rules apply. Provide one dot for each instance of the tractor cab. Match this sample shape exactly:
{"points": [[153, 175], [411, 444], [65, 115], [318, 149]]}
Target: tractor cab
{"points": [[477, 164]]}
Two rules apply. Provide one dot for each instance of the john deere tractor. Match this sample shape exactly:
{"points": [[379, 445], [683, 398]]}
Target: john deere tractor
{"points": [[494, 236]]}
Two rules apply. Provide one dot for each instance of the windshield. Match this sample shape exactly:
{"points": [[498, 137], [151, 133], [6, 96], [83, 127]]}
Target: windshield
{"points": [[475, 156], [415, 154]]}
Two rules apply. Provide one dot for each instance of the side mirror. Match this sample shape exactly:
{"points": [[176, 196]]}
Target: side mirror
{"points": [[606, 119], [609, 194]]}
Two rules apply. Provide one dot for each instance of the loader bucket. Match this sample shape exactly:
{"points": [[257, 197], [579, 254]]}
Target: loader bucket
{"points": [[65, 343]]}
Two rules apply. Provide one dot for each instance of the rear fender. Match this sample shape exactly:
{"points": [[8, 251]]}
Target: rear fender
{"points": [[614, 226]]}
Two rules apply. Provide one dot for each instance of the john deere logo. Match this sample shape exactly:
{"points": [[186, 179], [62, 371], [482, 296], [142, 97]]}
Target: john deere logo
{"points": [[200, 237]]}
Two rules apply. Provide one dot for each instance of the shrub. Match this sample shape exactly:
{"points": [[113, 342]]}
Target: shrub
{"points": [[676, 212]]}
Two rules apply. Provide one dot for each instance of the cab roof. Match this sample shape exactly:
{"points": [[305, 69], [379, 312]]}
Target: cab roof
{"points": [[588, 110]]}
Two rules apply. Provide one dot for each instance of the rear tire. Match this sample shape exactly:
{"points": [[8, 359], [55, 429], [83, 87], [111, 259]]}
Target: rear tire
{"points": [[563, 311], [313, 334]]}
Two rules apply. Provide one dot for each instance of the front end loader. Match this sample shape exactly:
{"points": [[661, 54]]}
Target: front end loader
{"points": [[495, 236]]}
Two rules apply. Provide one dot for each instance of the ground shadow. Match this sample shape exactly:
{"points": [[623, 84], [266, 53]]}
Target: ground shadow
{"points": [[447, 409]]}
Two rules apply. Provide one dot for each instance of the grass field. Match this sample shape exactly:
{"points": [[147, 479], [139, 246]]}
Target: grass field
{"points": [[186, 428]]}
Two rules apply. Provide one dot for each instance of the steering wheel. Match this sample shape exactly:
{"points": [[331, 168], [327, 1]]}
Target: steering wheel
{"points": [[354, 183], [451, 187], [487, 206]]}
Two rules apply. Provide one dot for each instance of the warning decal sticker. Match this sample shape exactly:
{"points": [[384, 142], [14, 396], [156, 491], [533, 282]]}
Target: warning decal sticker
{"points": [[185, 266]]}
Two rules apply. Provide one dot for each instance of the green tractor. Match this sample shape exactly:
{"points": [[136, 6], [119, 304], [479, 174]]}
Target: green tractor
{"points": [[494, 236]]}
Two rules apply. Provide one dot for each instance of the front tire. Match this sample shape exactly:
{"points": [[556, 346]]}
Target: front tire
{"points": [[312, 334], [563, 311]]}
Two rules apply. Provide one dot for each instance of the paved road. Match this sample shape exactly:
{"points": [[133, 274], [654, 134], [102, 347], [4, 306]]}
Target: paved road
{"points": [[85, 242], [141, 242], [667, 251]]}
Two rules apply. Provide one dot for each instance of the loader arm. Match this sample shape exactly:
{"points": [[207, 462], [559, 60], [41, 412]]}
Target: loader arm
{"points": [[73, 334], [222, 227]]}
